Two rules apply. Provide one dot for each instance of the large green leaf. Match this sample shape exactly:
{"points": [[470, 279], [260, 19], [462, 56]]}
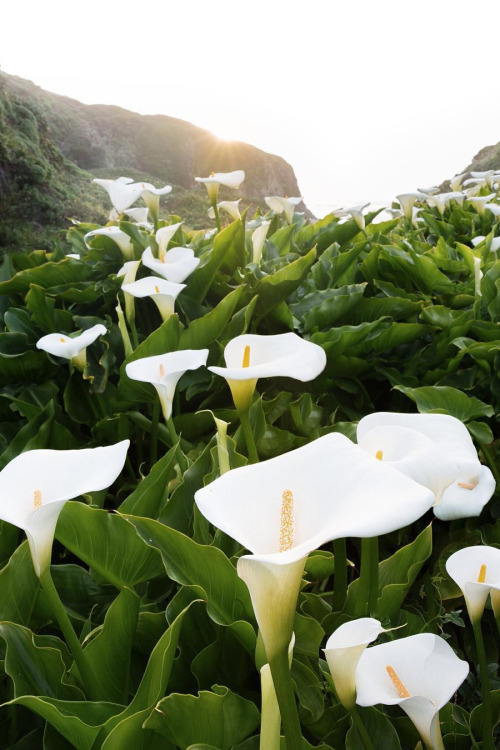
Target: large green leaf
{"points": [[146, 500], [227, 254], [47, 275], [446, 400], [19, 586], [203, 331], [201, 566], [220, 718], [107, 543]]}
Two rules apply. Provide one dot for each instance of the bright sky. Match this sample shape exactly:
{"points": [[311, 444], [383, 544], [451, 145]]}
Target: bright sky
{"points": [[364, 99]]}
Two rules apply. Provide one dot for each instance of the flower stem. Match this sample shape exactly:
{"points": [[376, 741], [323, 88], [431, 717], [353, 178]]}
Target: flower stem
{"points": [[340, 575], [270, 721], [368, 578], [485, 686], [286, 699], [70, 636], [154, 433], [361, 730], [216, 212], [181, 459], [253, 456], [133, 331]]}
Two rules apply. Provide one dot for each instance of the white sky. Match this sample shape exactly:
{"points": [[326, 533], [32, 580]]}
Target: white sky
{"points": [[365, 99]]}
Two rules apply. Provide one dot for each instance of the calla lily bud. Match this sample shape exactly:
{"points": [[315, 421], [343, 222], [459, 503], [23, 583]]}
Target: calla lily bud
{"points": [[35, 486], [74, 349], [476, 571], [258, 240], [162, 292], [127, 345], [419, 673]]}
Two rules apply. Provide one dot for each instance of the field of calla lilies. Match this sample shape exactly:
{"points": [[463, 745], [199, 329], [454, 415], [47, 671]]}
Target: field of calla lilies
{"points": [[247, 486]]}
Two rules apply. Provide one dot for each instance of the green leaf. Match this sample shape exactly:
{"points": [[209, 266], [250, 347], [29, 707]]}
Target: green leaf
{"points": [[203, 331], [447, 400], [220, 718], [47, 275], [277, 287], [109, 652], [34, 665], [227, 254], [19, 586], [107, 543], [146, 500], [379, 728], [205, 567]]}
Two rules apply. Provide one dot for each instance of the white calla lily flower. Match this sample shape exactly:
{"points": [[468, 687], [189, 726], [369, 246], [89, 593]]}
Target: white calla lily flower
{"points": [[151, 196], [164, 371], [164, 235], [429, 191], [494, 244], [129, 271], [162, 292], [356, 213], [228, 179], [35, 486], [456, 182], [478, 275], [123, 192], [258, 240], [442, 200], [481, 202], [286, 507], [407, 202], [231, 207], [476, 571], [343, 651], [118, 236], [493, 207], [75, 256], [252, 356], [175, 265], [453, 453], [419, 673], [140, 215], [72, 348], [284, 205]]}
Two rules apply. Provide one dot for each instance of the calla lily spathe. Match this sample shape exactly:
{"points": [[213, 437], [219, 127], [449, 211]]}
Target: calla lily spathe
{"points": [[454, 461], [284, 508], [283, 205], [164, 235], [258, 240], [480, 202], [356, 213], [162, 292], [476, 571], [123, 192], [128, 272], [252, 356], [35, 486], [164, 372], [118, 236], [343, 651], [174, 265], [419, 673], [231, 207], [228, 179], [407, 202], [74, 349]]}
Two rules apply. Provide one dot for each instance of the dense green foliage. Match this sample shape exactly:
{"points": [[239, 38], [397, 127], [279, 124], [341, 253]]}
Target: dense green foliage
{"points": [[145, 579]]}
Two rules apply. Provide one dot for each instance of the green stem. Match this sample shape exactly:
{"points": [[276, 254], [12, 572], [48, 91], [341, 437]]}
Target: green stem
{"points": [[253, 456], [361, 730], [340, 575], [175, 441], [217, 217], [485, 686], [154, 433], [133, 331], [286, 700], [368, 578], [70, 636], [270, 717]]}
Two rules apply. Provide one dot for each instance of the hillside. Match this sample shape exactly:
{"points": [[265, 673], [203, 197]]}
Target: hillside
{"points": [[487, 158], [51, 147]]}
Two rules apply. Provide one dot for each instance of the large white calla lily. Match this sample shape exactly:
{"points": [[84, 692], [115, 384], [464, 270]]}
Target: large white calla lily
{"points": [[343, 651], [407, 202], [164, 235], [174, 265], [419, 673], [476, 571], [74, 349], [252, 356], [162, 292], [471, 484], [118, 236], [123, 192], [284, 205], [164, 371], [480, 202], [228, 179], [35, 486], [284, 508], [151, 196]]}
